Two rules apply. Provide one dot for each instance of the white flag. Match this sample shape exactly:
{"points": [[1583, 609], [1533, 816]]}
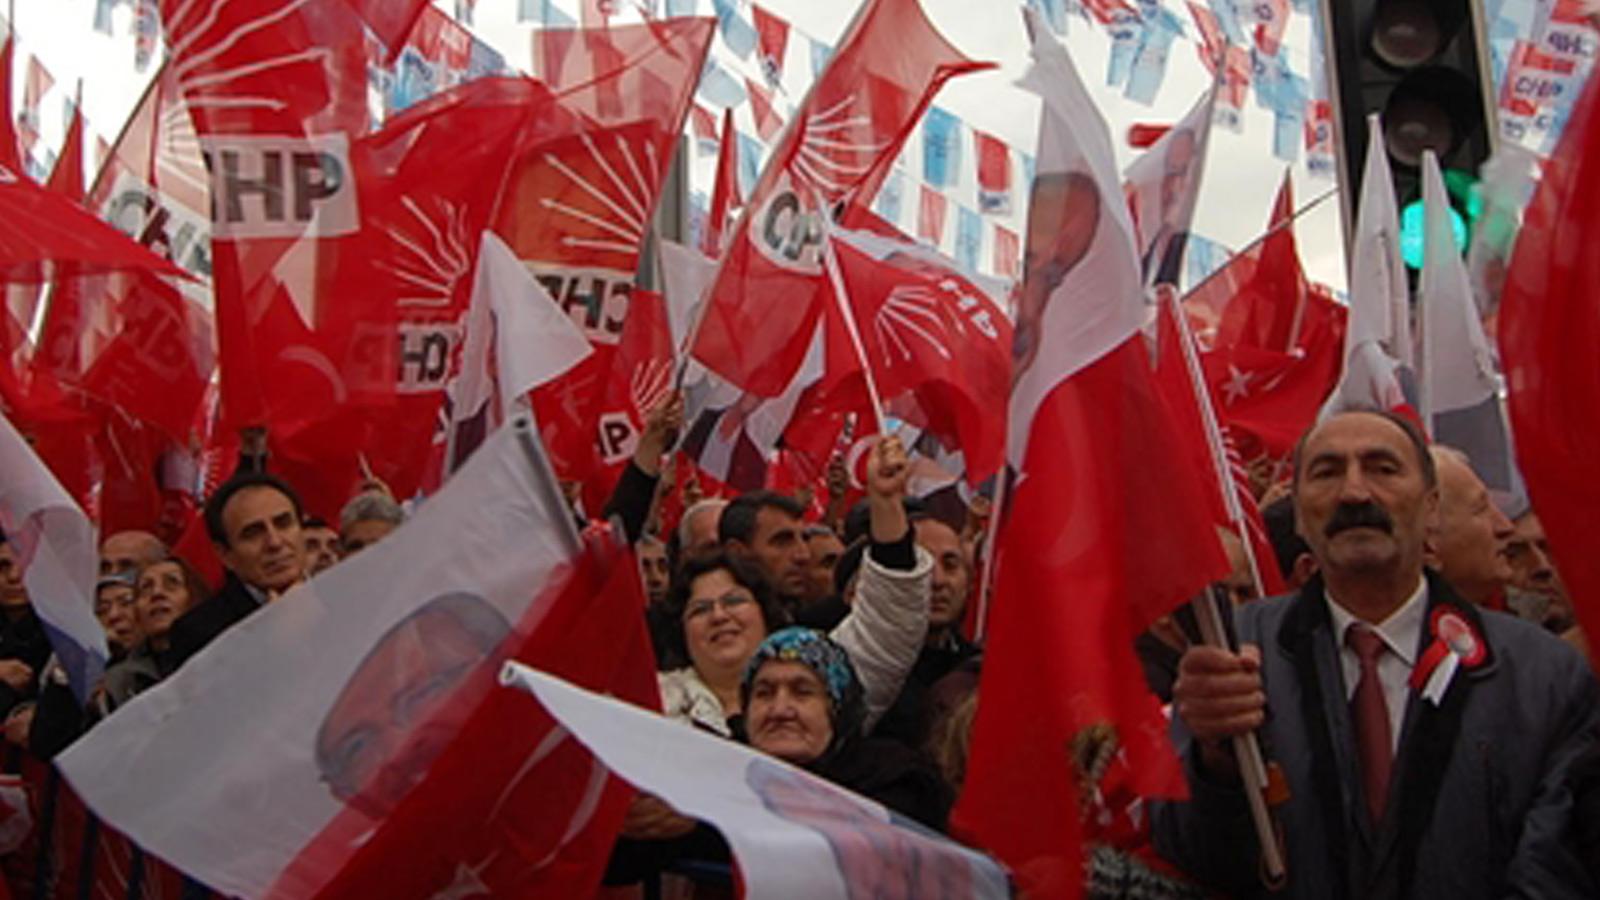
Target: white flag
{"points": [[1163, 185], [1379, 367], [517, 338], [54, 543], [327, 703], [792, 834], [1459, 384]]}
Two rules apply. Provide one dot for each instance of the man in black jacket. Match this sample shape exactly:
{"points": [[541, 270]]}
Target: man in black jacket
{"points": [[254, 521], [24, 647]]}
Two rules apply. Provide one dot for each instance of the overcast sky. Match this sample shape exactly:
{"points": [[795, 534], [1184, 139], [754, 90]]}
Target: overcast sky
{"points": [[1241, 177]]}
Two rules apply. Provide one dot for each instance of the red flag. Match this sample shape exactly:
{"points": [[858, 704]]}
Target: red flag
{"points": [[1547, 329], [994, 174], [1180, 377], [1007, 252], [277, 110], [1087, 428], [1269, 308], [759, 315], [640, 375], [768, 122], [928, 331], [1268, 399], [773, 33], [1213, 43], [705, 128], [931, 206], [581, 203], [390, 20], [725, 192], [66, 178], [37, 83], [10, 146]]}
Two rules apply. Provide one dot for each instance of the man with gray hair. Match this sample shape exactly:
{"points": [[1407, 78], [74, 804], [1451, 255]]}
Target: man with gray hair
{"points": [[697, 530], [1468, 547], [367, 519]]}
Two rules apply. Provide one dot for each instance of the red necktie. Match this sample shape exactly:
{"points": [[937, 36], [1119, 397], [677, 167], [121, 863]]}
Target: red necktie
{"points": [[1371, 716]]}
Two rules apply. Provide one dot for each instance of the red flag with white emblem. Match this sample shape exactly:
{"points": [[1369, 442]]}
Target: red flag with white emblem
{"points": [[760, 313]]}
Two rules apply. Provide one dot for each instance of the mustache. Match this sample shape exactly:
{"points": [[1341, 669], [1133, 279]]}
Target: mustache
{"points": [[1359, 515]]}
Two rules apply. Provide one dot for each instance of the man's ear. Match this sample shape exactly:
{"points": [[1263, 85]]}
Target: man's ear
{"points": [[736, 547], [1305, 566]]}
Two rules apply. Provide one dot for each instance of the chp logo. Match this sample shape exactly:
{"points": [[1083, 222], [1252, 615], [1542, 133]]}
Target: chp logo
{"points": [[267, 186]]}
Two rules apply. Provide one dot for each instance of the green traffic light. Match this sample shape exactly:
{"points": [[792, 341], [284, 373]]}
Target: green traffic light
{"points": [[1414, 229]]}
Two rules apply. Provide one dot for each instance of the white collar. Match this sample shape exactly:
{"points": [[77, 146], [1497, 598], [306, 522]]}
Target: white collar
{"points": [[1402, 631]]}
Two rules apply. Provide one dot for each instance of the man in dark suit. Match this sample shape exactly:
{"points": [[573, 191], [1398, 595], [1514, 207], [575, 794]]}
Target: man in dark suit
{"points": [[1429, 746], [254, 519]]}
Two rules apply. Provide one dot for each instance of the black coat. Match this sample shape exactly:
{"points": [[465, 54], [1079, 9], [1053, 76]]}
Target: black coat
{"points": [[23, 639], [200, 626]]}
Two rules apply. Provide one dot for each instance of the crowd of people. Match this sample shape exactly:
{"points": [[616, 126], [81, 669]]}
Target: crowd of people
{"points": [[843, 644]]}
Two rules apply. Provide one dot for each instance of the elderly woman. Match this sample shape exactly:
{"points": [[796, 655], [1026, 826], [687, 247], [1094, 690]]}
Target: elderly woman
{"points": [[164, 590], [804, 704], [726, 609]]}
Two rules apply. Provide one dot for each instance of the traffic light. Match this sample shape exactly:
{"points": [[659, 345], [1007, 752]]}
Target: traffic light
{"points": [[1421, 66]]}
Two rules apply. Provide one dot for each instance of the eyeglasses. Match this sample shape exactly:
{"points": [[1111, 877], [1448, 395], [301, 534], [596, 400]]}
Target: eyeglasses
{"points": [[730, 601]]}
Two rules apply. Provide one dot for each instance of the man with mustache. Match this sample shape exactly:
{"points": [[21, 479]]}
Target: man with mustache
{"points": [[1429, 745]]}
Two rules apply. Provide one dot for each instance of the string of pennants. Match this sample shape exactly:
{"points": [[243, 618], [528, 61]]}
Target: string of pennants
{"points": [[1540, 50]]}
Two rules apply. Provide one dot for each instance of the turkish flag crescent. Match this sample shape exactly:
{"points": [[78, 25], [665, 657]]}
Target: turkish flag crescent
{"points": [[759, 315], [1084, 408], [1548, 329]]}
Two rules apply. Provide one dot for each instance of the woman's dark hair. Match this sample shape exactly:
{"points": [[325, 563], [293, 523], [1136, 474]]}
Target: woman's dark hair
{"points": [[199, 591], [745, 574]]}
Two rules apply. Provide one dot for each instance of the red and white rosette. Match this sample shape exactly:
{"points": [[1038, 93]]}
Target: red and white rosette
{"points": [[1456, 644]]}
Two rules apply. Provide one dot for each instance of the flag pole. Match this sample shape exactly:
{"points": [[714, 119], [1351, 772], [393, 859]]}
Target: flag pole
{"points": [[842, 297], [1246, 747], [1260, 238], [1002, 487]]}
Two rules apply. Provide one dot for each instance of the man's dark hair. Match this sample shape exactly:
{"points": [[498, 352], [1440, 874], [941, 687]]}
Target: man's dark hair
{"points": [[1287, 544], [746, 574], [1419, 443], [738, 522], [239, 481], [315, 522], [858, 521]]}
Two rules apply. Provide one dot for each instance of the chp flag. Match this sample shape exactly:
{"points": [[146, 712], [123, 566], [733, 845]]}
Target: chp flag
{"points": [[760, 314], [373, 714]]}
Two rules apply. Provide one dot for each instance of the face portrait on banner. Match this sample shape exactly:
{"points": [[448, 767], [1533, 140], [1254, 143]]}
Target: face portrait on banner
{"points": [[1063, 215]]}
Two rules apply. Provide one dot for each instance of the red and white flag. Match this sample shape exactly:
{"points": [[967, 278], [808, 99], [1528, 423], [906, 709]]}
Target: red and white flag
{"points": [[994, 174], [1548, 329], [763, 110], [1084, 413], [516, 339], [759, 317], [374, 715], [931, 207], [1269, 309], [10, 146], [1162, 186], [35, 85], [773, 33]]}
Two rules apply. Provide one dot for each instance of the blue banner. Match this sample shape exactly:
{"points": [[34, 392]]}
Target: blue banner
{"points": [[969, 237], [891, 197], [941, 148], [545, 12], [720, 87], [680, 7], [820, 54], [739, 35], [1150, 60], [1126, 30], [1054, 13], [750, 154]]}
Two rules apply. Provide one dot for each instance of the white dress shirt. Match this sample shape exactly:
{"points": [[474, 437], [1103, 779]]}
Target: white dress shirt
{"points": [[1401, 634]]}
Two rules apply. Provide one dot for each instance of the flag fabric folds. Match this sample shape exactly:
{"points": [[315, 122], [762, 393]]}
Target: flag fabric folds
{"points": [[1163, 185], [1459, 387], [1548, 328], [373, 711], [1066, 718], [837, 148], [1379, 357], [55, 547]]}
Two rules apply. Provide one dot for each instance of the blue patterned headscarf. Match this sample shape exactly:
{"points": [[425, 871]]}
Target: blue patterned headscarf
{"points": [[832, 664]]}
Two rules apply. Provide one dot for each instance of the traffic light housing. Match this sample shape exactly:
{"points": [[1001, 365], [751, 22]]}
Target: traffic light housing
{"points": [[1419, 64]]}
